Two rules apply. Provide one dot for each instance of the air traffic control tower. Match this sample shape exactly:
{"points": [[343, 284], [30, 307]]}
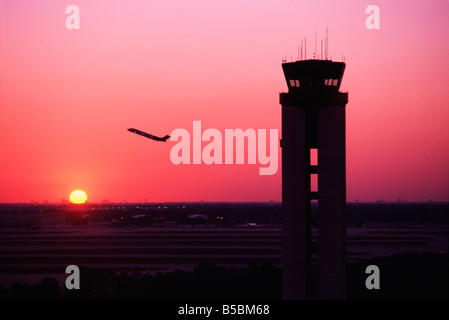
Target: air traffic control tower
{"points": [[313, 149]]}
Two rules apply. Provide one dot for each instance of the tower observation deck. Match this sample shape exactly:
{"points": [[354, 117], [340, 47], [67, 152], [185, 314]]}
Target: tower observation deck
{"points": [[313, 82]]}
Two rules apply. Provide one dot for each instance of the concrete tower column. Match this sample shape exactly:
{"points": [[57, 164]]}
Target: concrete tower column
{"points": [[294, 191], [331, 202]]}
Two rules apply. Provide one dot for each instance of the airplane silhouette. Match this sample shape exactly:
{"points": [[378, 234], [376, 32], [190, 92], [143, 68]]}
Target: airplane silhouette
{"points": [[149, 136]]}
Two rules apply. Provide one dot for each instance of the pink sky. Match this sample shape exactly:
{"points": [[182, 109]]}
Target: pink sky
{"points": [[68, 96]]}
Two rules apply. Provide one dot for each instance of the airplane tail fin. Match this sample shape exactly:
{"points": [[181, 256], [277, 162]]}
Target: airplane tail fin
{"points": [[166, 137]]}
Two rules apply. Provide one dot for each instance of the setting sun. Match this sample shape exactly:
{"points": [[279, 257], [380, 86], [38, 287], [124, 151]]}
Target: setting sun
{"points": [[78, 196]]}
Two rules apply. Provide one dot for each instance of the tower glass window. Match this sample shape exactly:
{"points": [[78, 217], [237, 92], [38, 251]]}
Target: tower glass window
{"points": [[314, 182], [313, 157]]}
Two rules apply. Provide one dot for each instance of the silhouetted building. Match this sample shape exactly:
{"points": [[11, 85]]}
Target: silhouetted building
{"points": [[313, 123], [30, 216]]}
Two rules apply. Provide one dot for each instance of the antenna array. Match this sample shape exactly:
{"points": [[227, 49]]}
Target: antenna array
{"points": [[324, 49]]}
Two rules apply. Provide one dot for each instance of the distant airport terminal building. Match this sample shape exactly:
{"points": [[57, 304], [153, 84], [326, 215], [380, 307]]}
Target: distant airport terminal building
{"points": [[27, 215]]}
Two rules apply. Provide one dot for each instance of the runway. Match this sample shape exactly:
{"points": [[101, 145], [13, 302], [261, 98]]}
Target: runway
{"points": [[29, 255]]}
